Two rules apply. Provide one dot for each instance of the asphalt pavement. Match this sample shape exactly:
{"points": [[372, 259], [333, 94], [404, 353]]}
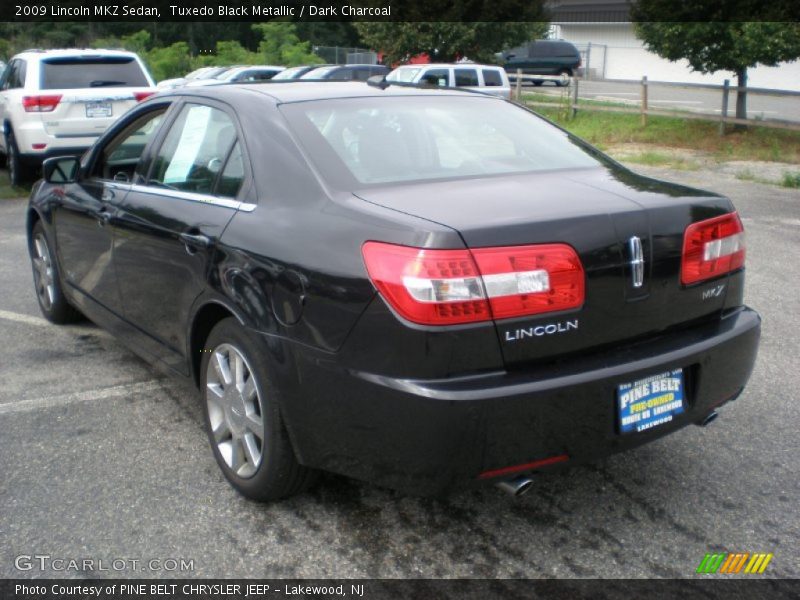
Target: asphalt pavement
{"points": [[103, 458], [759, 106]]}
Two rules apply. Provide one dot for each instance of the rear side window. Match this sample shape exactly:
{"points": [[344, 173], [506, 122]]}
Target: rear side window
{"points": [[76, 72], [492, 78], [14, 77], [466, 77], [195, 150]]}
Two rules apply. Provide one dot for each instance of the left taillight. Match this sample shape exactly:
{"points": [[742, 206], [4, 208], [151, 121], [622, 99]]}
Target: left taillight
{"points": [[45, 103], [139, 96], [712, 248], [444, 287]]}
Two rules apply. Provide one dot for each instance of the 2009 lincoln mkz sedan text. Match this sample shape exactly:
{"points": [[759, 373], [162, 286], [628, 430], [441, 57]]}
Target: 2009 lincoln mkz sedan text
{"points": [[420, 288]]}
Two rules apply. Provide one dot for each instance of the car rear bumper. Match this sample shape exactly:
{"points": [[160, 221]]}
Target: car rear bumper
{"points": [[426, 436]]}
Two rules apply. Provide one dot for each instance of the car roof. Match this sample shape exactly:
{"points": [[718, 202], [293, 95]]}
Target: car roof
{"points": [[292, 90], [27, 54], [448, 65]]}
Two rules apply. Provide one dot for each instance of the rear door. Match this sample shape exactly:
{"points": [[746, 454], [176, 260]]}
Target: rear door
{"points": [[93, 90], [169, 224]]}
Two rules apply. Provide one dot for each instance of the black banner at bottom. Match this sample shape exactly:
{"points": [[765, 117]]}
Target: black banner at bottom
{"points": [[378, 589]]}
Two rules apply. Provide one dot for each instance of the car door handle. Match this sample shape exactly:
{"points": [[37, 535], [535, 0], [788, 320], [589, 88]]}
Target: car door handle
{"points": [[103, 217], [193, 241]]}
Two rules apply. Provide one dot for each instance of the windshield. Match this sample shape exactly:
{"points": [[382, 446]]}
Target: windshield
{"points": [[290, 73], [403, 75], [416, 138], [317, 73]]}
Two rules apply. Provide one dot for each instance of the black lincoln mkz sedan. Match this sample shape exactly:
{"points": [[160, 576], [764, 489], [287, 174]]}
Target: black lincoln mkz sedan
{"points": [[419, 288]]}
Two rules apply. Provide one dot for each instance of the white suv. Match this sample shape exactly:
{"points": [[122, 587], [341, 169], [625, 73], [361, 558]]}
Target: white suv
{"points": [[57, 102], [489, 79]]}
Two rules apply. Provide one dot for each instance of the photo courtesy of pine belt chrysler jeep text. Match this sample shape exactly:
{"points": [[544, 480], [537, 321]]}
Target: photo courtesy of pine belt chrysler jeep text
{"points": [[420, 288]]}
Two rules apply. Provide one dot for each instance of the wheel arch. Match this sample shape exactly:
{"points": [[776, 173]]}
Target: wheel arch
{"points": [[205, 319]]}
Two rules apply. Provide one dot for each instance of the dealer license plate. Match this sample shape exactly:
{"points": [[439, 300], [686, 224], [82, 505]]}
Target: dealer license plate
{"points": [[96, 110], [651, 401]]}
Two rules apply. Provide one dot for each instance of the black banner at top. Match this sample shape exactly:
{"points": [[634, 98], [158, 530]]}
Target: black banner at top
{"points": [[267, 10], [390, 10]]}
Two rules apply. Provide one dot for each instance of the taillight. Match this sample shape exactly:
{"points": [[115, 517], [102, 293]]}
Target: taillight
{"points": [[442, 287], [139, 96], [712, 248], [528, 280], [41, 103]]}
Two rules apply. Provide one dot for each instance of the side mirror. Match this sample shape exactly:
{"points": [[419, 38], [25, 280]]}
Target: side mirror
{"points": [[61, 169]]}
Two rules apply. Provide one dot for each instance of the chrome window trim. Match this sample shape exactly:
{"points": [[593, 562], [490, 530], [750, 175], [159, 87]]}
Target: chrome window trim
{"points": [[194, 197]]}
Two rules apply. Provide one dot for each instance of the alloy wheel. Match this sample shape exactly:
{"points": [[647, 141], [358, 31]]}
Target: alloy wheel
{"points": [[43, 272], [235, 410]]}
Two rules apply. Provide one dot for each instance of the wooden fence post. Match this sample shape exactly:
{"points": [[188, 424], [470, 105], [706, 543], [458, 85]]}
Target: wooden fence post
{"points": [[574, 96], [724, 112], [519, 85], [644, 101]]}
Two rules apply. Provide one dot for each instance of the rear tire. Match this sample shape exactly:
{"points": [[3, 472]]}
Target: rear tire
{"points": [[18, 173], [243, 418], [47, 281], [565, 75]]}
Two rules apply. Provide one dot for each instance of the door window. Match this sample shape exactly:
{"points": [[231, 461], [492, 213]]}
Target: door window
{"points": [[120, 157], [232, 177], [195, 150], [466, 78], [438, 77]]}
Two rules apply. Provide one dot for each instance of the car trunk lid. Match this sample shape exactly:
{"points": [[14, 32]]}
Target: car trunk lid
{"points": [[611, 217]]}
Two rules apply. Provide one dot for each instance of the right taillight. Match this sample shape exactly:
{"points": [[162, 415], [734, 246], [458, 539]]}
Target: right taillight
{"points": [[443, 287], [45, 103], [712, 248]]}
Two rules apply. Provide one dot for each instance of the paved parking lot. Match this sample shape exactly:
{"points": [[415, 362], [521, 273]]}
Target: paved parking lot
{"points": [[100, 457]]}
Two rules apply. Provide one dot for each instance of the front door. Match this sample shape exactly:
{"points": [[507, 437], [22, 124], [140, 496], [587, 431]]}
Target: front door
{"points": [[85, 215]]}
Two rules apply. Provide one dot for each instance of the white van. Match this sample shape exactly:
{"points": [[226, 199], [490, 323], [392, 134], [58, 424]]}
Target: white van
{"points": [[489, 79]]}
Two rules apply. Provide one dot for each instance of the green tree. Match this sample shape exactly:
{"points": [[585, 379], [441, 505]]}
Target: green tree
{"points": [[716, 35], [280, 45], [171, 61], [445, 41]]}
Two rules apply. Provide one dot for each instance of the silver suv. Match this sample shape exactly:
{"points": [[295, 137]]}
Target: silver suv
{"points": [[57, 102]]}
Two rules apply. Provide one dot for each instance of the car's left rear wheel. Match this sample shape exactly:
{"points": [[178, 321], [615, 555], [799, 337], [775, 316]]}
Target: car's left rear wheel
{"points": [[243, 419]]}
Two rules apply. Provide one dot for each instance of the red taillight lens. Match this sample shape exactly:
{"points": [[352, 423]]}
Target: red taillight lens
{"points": [[432, 287], [41, 103], [139, 96], [528, 280], [712, 248], [441, 287]]}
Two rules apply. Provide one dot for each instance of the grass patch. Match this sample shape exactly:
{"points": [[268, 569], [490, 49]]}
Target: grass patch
{"points": [[659, 159], [7, 191], [791, 180], [755, 143]]}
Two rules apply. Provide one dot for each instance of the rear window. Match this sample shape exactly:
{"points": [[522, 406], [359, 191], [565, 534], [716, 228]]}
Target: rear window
{"points": [[318, 73], [492, 78], [78, 72], [399, 139]]}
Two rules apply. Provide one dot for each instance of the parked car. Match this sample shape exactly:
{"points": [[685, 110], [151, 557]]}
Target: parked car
{"points": [[297, 72], [250, 73], [420, 288], [489, 79], [57, 102], [544, 57], [196, 75], [346, 72]]}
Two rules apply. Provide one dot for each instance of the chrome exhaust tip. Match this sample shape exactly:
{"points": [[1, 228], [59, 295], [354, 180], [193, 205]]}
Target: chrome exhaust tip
{"points": [[710, 418], [517, 486]]}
